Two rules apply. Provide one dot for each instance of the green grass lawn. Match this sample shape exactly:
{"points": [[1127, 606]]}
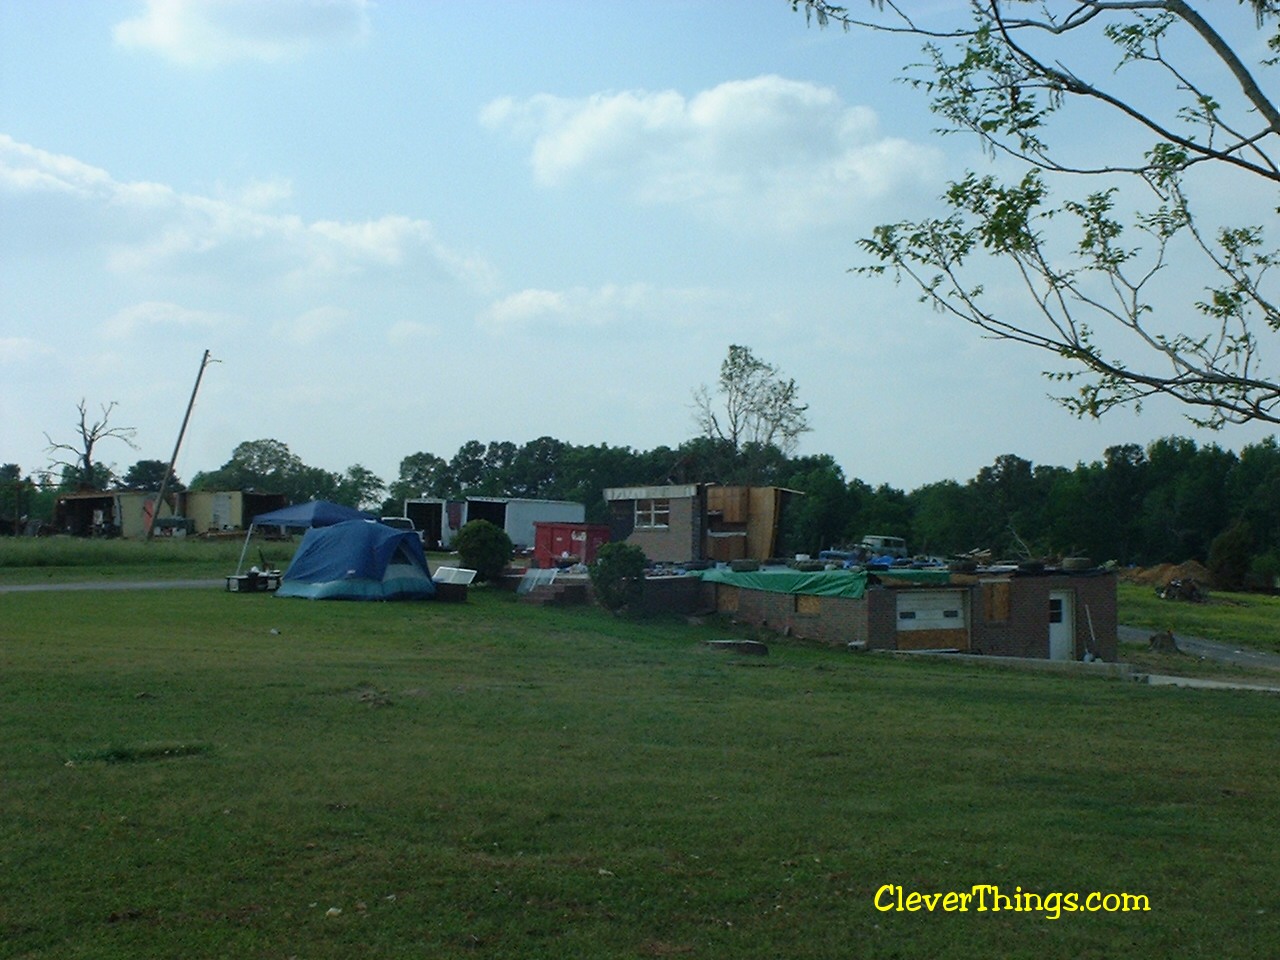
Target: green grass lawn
{"points": [[193, 773], [1246, 619], [75, 559], [78, 560]]}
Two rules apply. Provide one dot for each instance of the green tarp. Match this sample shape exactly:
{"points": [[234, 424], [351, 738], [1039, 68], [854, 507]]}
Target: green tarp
{"points": [[916, 576], [822, 583]]}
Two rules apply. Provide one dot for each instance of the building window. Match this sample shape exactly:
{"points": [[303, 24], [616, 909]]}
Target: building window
{"points": [[1055, 610], [653, 514]]}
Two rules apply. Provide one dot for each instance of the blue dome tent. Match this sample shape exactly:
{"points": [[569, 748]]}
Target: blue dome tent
{"points": [[358, 560], [301, 516]]}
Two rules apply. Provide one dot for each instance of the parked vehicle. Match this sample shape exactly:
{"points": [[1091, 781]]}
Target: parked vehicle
{"points": [[401, 523], [878, 545]]}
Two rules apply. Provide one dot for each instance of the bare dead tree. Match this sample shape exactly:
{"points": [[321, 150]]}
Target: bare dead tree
{"points": [[77, 459], [756, 406]]}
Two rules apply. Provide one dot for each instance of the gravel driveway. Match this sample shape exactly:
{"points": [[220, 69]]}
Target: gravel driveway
{"points": [[1209, 649]]}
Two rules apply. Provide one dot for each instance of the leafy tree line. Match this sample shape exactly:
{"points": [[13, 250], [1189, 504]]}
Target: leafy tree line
{"points": [[1170, 501], [270, 466]]}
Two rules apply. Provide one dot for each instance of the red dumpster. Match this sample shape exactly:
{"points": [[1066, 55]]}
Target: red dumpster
{"points": [[559, 544]]}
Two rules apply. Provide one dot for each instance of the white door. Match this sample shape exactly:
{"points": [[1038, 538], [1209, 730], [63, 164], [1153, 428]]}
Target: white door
{"points": [[221, 512], [1062, 627]]}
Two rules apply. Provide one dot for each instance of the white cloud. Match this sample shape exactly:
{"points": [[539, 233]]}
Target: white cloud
{"points": [[209, 32], [610, 307], [24, 168], [22, 350], [776, 151], [152, 228], [312, 325], [258, 194], [578, 308], [525, 308], [154, 313], [373, 241]]}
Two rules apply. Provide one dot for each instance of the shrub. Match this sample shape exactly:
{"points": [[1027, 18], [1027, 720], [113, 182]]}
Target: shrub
{"points": [[1229, 557], [1264, 572], [618, 575], [483, 547]]}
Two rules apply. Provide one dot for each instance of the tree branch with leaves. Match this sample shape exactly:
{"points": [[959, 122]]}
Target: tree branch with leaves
{"points": [[1100, 287]]}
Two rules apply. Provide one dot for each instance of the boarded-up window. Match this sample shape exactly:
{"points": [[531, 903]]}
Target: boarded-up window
{"points": [[731, 503], [726, 598], [808, 604], [995, 601]]}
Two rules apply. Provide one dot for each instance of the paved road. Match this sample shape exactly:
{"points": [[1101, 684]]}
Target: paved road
{"points": [[110, 585], [1209, 649]]}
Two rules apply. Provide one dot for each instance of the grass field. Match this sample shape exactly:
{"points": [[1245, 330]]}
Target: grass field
{"points": [[74, 559], [77, 560], [201, 774], [1247, 619]]}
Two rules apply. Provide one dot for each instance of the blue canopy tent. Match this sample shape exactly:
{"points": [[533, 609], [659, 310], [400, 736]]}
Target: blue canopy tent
{"points": [[301, 516], [358, 560]]}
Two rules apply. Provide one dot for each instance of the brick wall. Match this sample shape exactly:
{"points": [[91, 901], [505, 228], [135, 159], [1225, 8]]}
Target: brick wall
{"points": [[674, 595], [1018, 629], [1023, 629], [833, 620], [680, 541]]}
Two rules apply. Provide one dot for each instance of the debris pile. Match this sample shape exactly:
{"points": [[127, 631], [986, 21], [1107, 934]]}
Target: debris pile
{"points": [[1162, 574], [1181, 588]]}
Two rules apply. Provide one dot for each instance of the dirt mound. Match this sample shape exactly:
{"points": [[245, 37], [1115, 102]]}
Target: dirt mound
{"points": [[1161, 574], [1147, 576]]}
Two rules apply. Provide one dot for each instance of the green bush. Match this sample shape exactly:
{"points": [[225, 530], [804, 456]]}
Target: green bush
{"points": [[618, 575], [1229, 557], [1264, 572], [483, 547]]}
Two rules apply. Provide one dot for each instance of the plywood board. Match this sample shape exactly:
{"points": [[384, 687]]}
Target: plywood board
{"points": [[933, 640]]}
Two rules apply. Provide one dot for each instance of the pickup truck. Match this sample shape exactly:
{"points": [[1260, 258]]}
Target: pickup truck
{"points": [[401, 523]]}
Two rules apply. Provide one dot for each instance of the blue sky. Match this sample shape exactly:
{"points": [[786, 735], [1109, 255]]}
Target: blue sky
{"points": [[399, 226]]}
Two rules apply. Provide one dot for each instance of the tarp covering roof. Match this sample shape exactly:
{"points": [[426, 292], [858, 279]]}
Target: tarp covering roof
{"points": [[317, 513], [908, 575], [822, 583], [358, 560]]}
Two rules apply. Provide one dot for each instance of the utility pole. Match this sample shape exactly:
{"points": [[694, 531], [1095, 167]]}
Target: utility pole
{"points": [[155, 513]]}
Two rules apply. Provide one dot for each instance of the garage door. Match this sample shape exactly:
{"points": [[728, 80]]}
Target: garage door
{"points": [[933, 620]]}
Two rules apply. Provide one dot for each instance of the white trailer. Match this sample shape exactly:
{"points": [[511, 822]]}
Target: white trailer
{"points": [[517, 516], [440, 520]]}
